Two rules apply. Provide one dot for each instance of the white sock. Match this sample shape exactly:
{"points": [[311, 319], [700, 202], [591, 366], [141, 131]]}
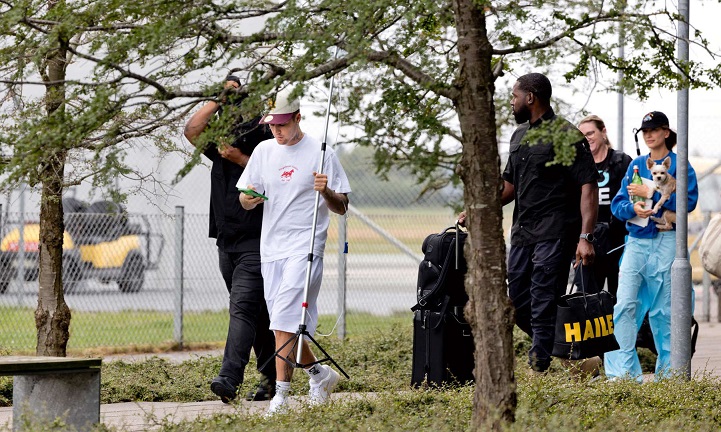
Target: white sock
{"points": [[317, 373], [282, 388]]}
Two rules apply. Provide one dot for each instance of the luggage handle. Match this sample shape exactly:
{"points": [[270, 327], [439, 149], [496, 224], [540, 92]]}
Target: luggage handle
{"points": [[458, 242], [441, 278]]}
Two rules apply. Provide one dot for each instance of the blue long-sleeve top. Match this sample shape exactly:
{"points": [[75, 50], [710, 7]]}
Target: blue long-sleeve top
{"points": [[622, 207]]}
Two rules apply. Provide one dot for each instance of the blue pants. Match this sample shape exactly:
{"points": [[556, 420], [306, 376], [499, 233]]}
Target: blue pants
{"points": [[537, 277], [644, 285]]}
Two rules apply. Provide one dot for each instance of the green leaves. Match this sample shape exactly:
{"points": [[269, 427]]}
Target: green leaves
{"points": [[564, 136], [399, 69]]}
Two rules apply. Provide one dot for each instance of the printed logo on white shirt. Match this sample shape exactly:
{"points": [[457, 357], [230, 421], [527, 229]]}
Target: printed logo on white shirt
{"points": [[286, 173]]}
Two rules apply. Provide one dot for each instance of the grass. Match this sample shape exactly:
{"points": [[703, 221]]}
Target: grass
{"points": [[666, 405], [409, 226], [375, 360], [148, 331], [378, 363]]}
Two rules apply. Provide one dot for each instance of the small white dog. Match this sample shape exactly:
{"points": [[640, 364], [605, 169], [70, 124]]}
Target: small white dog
{"points": [[665, 185]]}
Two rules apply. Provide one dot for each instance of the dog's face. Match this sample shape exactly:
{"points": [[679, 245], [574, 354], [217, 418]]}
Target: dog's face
{"points": [[659, 172]]}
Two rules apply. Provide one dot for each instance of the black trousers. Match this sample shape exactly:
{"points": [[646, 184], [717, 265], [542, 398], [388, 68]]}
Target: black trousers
{"points": [[604, 268], [249, 321], [537, 277]]}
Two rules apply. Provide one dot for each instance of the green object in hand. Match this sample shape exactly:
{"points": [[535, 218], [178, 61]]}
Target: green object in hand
{"points": [[636, 179], [253, 193]]}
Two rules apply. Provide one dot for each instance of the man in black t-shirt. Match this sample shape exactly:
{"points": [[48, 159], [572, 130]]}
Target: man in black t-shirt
{"points": [[237, 232], [554, 215]]}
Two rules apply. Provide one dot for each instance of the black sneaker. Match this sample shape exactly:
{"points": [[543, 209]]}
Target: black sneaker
{"points": [[264, 391], [222, 387]]}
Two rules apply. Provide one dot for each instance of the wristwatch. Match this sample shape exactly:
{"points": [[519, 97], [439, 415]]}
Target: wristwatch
{"points": [[588, 237]]}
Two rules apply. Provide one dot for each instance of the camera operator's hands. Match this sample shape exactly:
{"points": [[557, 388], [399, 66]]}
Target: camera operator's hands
{"points": [[200, 120], [249, 202], [228, 88], [233, 154]]}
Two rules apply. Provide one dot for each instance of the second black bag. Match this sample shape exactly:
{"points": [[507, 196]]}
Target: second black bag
{"points": [[442, 342], [442, 270], [442, 348], [584, 323]]}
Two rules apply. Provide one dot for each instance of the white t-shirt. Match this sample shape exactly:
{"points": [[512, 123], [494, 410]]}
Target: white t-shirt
{"points": [[285, 175]]}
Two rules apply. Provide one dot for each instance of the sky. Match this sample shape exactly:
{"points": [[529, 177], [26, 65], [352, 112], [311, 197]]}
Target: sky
{"points": [[704, 115], [704, 105]]}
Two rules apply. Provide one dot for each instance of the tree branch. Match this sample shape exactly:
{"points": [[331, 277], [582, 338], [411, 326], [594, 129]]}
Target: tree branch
{"points": [[412, 72], [582, 24]]}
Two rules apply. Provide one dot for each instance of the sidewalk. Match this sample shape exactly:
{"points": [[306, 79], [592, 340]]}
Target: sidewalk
{"points": [[708, 350], [142, 416]]}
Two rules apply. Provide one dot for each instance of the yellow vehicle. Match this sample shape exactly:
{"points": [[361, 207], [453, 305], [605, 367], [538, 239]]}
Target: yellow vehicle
{"points": [[98, 242]]}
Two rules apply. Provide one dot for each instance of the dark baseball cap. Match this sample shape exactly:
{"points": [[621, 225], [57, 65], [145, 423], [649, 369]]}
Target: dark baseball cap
{"points": [[657, 119], [653, 120], [233, 78]]}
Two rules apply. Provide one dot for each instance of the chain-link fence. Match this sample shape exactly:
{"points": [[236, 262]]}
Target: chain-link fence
{"points": [[122, 271], [123, 283]]}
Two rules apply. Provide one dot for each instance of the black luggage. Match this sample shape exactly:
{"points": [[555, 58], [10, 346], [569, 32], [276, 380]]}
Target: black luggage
{"points": [[442, 341]]}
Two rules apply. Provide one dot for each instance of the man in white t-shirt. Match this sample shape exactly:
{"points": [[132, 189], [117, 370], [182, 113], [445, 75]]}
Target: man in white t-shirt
{"points": [[284, 171]]}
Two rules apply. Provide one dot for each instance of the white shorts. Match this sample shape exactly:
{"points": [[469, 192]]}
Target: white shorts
{"points": [[283, 284]]}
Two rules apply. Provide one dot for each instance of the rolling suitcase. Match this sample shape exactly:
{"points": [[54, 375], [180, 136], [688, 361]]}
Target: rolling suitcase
{"points": [[442, 341]]}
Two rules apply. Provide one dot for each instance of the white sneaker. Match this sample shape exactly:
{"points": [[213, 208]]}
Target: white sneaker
{"points": [[320, 392], [278, 405]]}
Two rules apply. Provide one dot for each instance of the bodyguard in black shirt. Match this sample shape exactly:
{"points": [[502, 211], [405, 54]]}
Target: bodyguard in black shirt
{"points": [[237, 232], [555, 205]]}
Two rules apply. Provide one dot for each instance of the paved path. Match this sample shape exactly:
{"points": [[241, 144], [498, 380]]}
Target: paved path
{"points": [[708, 350], [142, 416]]}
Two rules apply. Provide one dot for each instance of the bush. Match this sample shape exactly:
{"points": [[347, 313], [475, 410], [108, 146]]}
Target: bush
{"points": [[379, 366]]}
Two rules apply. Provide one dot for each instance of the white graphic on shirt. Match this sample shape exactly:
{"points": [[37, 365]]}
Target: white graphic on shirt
{"points": [[604, 191]]}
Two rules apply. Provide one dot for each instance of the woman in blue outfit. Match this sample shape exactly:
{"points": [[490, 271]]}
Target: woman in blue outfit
{"points": [[645, 275]]}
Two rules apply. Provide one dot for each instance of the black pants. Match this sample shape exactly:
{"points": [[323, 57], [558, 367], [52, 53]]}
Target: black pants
{"points": [[249, 321], [537, 277], [604, 268]]}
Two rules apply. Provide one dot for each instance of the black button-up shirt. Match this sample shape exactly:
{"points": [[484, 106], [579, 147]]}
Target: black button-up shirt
{"points": [[547, 197], [234, 228]]}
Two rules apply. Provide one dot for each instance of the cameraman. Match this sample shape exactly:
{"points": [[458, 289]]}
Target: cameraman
{"points": [[237, 232]]}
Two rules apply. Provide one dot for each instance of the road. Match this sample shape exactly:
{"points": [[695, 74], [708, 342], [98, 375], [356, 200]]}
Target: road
{"points": [[380, 284]]}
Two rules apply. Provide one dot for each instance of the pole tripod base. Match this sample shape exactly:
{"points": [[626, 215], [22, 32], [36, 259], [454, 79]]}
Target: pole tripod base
{"points": [[295, 340]]}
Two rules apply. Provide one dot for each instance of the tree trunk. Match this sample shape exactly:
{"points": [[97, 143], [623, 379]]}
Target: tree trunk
{"points": [[52, 316], [489, 310]]}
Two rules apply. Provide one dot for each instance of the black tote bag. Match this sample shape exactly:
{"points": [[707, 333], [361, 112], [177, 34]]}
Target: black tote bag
{"points": [[584, 321]]}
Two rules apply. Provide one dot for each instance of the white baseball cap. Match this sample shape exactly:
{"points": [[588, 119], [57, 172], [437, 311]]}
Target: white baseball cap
{"points": [[283, 108]]}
